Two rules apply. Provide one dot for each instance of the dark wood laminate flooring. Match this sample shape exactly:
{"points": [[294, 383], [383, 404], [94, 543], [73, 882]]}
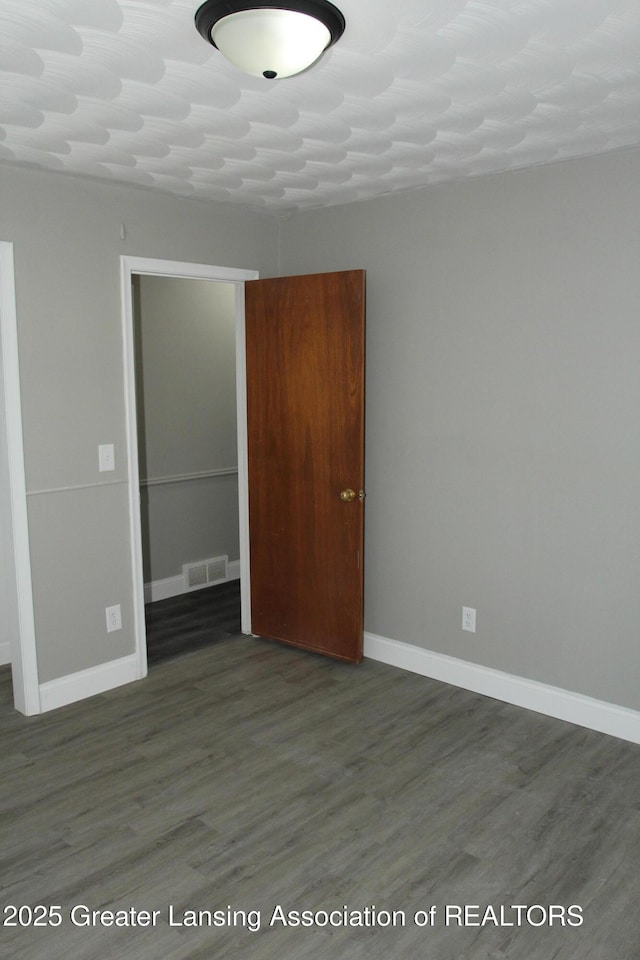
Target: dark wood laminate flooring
{"points": [[250, 775], [179, 625]]}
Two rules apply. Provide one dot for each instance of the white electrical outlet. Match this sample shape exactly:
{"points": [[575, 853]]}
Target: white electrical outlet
{"points": [[114, 618], [469, 619]]}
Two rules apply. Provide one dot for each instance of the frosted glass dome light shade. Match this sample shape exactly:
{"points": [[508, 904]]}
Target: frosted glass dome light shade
{"points": [[266, 42], [272, 41]]}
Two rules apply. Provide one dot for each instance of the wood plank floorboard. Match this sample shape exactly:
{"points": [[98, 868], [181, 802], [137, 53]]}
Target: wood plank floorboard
{"points": [[249, 775], [179, 625]]}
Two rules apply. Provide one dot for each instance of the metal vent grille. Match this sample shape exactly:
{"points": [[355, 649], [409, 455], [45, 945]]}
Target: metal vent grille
{"points": [[217, 570], [206, 573]]}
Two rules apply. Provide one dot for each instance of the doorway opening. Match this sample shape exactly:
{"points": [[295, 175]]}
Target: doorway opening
{"points": [[146, 462], [184, 332]]}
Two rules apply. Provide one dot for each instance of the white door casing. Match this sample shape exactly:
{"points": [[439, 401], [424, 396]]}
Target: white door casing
{"points": [[13, 502], [197, 271]]}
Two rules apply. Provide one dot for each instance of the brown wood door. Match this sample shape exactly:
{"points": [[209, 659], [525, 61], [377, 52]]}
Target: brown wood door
{"points": [[305, 416]]}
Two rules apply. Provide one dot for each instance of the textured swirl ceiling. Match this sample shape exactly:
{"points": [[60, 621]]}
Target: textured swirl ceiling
{"points": [[417, 92]]}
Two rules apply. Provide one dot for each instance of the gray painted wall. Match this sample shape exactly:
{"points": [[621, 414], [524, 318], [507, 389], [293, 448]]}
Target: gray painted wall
{"points": [[503, 447], [186, 389], [66, 236], [503, 426]]}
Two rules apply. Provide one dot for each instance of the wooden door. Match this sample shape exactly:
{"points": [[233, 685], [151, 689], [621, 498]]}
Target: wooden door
{"points": [[305, 416]]}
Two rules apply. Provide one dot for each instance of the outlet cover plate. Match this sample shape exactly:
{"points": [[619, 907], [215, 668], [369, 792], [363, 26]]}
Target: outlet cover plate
{"points": [[469, 619], [114, 618], [106, 457]]}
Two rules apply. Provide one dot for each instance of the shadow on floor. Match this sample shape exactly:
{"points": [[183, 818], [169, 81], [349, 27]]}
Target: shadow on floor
{"points": [[179, 625]]}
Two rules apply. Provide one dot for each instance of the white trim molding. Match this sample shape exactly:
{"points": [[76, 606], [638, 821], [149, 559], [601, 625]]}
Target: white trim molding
{"points": [[555, 702], [129, 267], [13, 502], [174, 586], [189, 477], [74, 486], [243, 460], [88, 683], [164, 589]]}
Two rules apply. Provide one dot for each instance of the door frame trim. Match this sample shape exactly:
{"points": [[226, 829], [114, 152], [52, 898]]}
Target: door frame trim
{"points": [[189, 271], [13, 502]]}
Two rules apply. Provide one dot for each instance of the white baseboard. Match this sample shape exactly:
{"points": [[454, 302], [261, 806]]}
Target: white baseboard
{"points": [[5, 653], [87, 683], [174, 586], [163, 589], [552, 701]]}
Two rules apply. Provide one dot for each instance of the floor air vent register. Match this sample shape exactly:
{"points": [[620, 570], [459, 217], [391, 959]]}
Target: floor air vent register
{"points": [[205, 573]]}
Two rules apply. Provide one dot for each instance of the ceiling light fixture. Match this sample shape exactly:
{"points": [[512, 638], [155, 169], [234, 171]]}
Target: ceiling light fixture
{"points": [[270, 39]]}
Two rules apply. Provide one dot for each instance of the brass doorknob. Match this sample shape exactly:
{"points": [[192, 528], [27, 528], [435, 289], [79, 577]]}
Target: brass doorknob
{"points": [[348, 495]]}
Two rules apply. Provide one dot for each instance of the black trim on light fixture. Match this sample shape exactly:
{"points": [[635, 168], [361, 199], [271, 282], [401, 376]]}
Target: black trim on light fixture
{"points": [[213, 10]]}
